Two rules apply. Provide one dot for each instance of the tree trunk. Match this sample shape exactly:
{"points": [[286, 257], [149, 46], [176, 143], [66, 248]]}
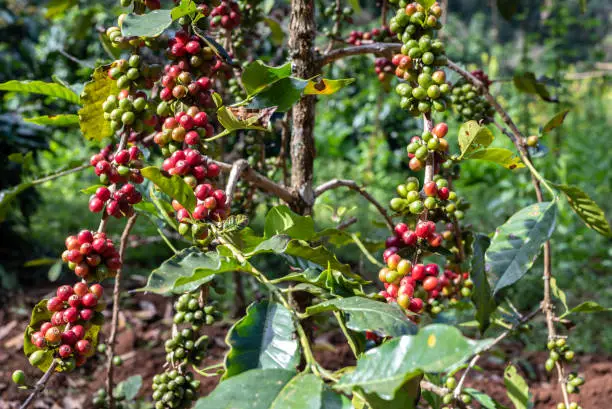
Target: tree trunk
{"points": [[302, 29]]}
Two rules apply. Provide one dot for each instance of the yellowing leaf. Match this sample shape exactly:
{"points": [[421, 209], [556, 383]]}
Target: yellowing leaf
{"points": [[501, 156], [326, 86], [472, 136], [91, 116]]}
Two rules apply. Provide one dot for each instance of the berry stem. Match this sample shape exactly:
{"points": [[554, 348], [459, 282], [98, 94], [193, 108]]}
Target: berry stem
{"points": [[115, 317], [40, 385]]}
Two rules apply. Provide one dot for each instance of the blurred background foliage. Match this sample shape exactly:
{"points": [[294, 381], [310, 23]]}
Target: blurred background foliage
{"points": [[361, 134]]}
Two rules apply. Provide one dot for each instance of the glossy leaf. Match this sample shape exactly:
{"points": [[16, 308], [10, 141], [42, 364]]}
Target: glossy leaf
{"points": [[327, 87], [263, 339], [517, 243], [517, 388], [282, 94], [91, 116], [485, 400], [500, 156], [273, 389], [50, 89], [54, 120], [586, 307], [257, 76], [330, 280], [591, 214], [384, 369], [174, 186], [406, 396], [555, 121], [188, 266], [150, 24], [57, 7], [482, 297], [367, 314], [282, 220], [473, 136], [185, 7]]}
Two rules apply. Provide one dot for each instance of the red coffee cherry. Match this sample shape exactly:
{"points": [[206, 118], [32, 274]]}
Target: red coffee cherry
{"points": [[440, 130], [418, 272], [64, 351], [78, 331], [84, 347], [97, 290], [430, 189], [55, 304], [89, 300], [64, 292], [430, 283], [70, 315]]}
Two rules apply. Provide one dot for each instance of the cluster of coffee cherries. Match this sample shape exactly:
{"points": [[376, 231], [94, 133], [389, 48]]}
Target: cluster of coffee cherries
{"points": [[132, 111], [469, 104], [174, 390], [226, 15], [91, 255], [191, 165], [189, 311], [384, 68], [133, 73], [572, 405], [185, 348], [189, 126], [117, 39], [420, 54], [419, 148], [188, 79], [449, 398], [73, 309], [436, 197], [559, 350], [117, 169], [377, 34], [424, 232]]}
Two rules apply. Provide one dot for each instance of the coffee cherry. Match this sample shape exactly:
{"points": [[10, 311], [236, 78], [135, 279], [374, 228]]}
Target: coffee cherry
{"points": [[19, 377]]}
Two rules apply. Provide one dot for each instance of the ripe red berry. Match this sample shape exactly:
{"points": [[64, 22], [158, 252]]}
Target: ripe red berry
{"points": [[45, 326], [87, 314], [393, 260], [393, 241], [83, 347], [203, 191], [64, 351], [406, 290], [57, 318], [192, 138], [80, 289], [418, 272], [55, 304], [70, 315], [435, 240], [64, 292], [122, 157], [72, 243], [432, 269], [416, 305], [388, 252], [97, 290], [38, 339], [193, 47], [422, 230], [68, 337], [210, 203], [89, 300], [392, 290], [430, 188], [400, 229], [430, 283], [443, 193], [440, 130], [78, 331], [74, 301], [410, 238], [213, 170], [200, 212], [82, 270], [219, 196]]}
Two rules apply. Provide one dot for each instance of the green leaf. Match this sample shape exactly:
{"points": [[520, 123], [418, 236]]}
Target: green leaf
{"points": [[516, 244], [585, 308], [55, 271], [174, 186], [517, 389], [406, 396], [150, 24], [188, 266], [331, 280], [263, 339], [473, 136], [257, 76], [485, 400], [426, 3], [527, 82], [277, 35], [591, 214], [282, 94], [129, 388], [501, 156], [384, 369], [281, 220], [508, 8], [482, 297], [57, 7], [555, 121], [186, 7], [54, 120], [557, 292], [367, 314], [327, 87], [273, 389], [51, 89], [91, 116]]}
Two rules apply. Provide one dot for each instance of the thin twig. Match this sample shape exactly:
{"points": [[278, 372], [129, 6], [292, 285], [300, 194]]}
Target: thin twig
{"points": [[351, 184], [115, 320], [40, 385], [60, 174], [381, 49], [260, 181], [237, 168]]}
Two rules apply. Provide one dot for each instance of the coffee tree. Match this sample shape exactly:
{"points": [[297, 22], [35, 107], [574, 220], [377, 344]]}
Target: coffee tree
{"points": [[186, 87]]}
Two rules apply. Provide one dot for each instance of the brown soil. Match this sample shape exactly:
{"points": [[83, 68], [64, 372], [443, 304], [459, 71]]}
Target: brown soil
{"points": [[145, 324]]}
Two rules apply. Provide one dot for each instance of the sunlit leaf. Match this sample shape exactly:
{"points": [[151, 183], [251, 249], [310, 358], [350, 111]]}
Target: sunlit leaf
{"points": [[51, 89], [517, 388], [54, 120], [326, 87], [150, 24], [472, 136], [174, 186], [501, 156], [91, 116], [591, 214], [555, 121]]}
